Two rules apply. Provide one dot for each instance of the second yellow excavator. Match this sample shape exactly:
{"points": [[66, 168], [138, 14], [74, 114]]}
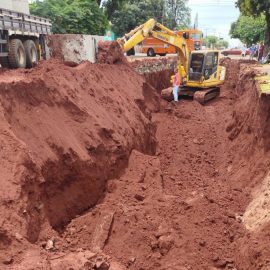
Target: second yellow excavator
{"points": [[200, 71]]}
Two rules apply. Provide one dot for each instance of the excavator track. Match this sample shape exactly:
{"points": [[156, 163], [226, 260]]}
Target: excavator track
{"points": [[204, 96]]}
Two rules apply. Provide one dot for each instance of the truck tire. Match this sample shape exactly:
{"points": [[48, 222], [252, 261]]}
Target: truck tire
{"points": [[4, 62], [17, 56], [151, 52], [31, 53], [162, 54]]}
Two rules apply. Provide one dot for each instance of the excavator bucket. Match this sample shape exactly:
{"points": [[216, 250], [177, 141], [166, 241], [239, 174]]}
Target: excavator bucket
{"points": [[110, 52]]}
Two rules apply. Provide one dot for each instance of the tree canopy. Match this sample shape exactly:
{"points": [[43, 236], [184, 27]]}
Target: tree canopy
{"points": [[72, 16], [257, 8], [248, 29], [89, 17], [134, 14], [172, 13], [215, 42], [177, 13], [112, 6]]}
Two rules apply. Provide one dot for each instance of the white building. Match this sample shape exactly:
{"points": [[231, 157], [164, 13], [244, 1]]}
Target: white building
{"points": [[16, 5]]}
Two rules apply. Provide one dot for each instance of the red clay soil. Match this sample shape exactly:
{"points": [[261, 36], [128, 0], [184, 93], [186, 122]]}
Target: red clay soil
{"points": [[66, 133], [182, 208], [110, 52]]}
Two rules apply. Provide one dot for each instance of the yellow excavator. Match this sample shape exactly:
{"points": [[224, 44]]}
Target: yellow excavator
{"points": [[200, 71]]}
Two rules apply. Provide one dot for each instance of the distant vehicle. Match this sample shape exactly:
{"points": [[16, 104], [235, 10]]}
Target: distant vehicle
{"points": [[234, 52], [153, 47]]}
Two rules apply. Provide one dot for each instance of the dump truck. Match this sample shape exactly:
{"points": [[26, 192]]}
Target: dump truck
{"points": [[22, 39]]}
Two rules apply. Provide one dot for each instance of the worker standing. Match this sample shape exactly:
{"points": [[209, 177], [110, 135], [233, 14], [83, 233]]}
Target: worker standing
{"points": [[261, 51], [252, 50], [176, 85], [244, 51]]}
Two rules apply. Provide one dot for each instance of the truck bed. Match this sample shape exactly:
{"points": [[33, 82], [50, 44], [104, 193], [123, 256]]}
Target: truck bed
{"points": [[17, 23]]}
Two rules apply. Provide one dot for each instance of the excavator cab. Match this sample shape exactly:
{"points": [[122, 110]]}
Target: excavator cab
{"points": [[203, 65], [204, 77]]}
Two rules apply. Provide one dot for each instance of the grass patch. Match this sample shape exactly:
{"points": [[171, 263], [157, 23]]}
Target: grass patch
{"points": [[264, 82]]}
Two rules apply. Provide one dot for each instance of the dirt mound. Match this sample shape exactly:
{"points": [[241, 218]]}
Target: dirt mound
{"points": [[64, 132]]}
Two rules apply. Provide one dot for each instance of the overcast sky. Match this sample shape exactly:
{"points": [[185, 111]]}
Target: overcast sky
{"points": [[215, 17]]}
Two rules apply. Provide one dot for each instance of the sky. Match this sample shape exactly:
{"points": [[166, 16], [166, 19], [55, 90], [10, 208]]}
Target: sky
{"points": [[215, 17]]}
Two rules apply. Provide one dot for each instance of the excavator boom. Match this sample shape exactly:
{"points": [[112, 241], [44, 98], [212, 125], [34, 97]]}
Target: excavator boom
{"points": [[161, 32]]}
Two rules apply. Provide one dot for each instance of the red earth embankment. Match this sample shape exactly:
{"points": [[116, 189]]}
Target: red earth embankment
{"points": [[64, 132]]}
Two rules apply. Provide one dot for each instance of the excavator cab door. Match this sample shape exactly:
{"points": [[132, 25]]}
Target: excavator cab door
{"points": [[210, 65], [196, 65], [203, 65]]}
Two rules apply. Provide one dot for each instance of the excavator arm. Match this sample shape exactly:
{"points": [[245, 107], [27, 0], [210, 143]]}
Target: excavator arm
{"points": [[158, 31]]}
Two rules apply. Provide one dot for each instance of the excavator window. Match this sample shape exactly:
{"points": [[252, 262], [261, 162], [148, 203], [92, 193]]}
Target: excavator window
{"points": [[210, 65], [196, 63], [196, 66]]}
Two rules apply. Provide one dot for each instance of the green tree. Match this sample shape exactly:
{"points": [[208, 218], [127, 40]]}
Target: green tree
{"points": [[177, 14], [248, 29], [215, 42], [72, 16], [136, 12], [210, 41], [125, 20], [222, 44], [111, 6], [256, 8]]}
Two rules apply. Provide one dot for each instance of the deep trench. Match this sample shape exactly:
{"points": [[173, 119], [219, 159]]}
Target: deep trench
{"points": [[67, 184], [214, 161]]}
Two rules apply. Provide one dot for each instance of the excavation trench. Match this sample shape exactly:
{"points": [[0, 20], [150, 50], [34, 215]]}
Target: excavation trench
{"points": [[190, 206], [101, 159]]}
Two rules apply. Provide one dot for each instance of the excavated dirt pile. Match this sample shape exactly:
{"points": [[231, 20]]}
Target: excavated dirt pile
{"points": [[64, 132], [110, 52]]}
